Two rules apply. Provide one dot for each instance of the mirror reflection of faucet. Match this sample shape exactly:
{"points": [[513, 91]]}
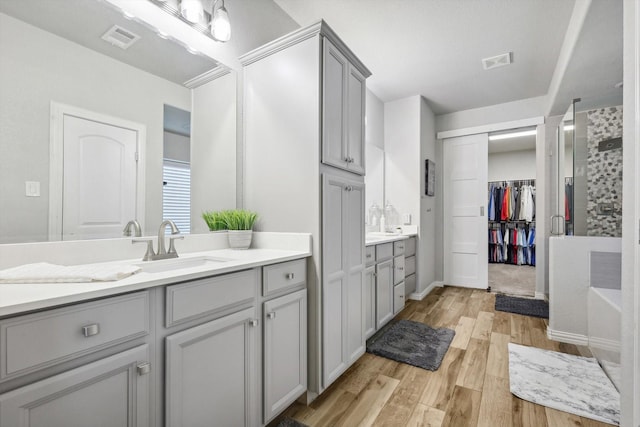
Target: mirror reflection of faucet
{"points": [[162, 253], [136, 228]]}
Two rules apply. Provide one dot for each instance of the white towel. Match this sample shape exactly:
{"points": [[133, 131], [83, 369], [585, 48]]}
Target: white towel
{"points": [[43, 272]]}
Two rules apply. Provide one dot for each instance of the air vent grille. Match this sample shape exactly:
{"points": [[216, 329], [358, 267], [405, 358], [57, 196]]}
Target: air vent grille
{"points": [[120, 37], [497, 61]]}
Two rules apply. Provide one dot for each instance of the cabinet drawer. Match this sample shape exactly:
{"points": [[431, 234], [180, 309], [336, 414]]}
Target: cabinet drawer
{"points": [[398, 298], [410, 246], [399, 247], [278, 277], [370, 255], [198, 298], [409, 265], [40, 340], [384, 251]]}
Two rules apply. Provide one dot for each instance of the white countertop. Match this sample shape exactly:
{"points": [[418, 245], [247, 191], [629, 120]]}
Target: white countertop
{"points": [[18, 298], [379, 238]]}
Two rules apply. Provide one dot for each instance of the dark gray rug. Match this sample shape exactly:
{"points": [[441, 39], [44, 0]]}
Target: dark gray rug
{"points": [[290, 422], [526, 306], [412, 343]]}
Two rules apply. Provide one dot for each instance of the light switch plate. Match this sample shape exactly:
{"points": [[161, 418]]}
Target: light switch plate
{"points": [[32, 188]]}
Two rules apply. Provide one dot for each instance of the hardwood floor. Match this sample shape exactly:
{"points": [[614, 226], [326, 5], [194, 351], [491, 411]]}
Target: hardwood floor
{"points": [[471, 387]]}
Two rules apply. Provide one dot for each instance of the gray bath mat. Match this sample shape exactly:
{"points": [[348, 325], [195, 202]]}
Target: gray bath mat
{"points": [[562, 381], [412, 343], [526, 306], [290, 422]]}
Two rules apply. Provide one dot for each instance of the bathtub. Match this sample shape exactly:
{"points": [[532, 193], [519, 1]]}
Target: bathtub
{"points": [[604, 316]]}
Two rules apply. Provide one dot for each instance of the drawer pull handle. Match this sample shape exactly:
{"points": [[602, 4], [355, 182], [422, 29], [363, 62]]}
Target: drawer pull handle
{"points": [[368, 255], [290, 276], [271, 315], [400, 268], [401, 296], [400, 247], [91, 330], [143, 368], [253, 322]]}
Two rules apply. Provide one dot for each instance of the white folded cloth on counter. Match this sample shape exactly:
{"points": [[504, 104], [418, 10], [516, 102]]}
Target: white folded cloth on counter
{"points": [[43, 272]]}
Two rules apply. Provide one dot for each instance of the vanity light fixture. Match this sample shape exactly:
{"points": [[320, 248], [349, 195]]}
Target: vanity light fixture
{"points": [[220, 25], [192, 10]]}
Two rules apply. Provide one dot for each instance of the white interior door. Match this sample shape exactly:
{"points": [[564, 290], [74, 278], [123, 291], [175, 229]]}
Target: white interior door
{"points": [[465, 199], [100, 178]]}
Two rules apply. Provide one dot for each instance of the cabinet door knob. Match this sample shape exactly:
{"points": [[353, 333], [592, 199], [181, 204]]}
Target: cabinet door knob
{"points": [[253, 322], [289, 276], [91, 330], [368, 255], [401, 296], [271, 315], [143, 368], [400, 268]]}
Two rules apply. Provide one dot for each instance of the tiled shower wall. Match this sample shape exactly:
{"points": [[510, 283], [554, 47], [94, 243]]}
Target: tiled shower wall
{"points": [[604, 172]]}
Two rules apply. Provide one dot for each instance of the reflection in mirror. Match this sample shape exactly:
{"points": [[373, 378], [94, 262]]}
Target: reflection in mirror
{"points": [[176, 168], [53, 52], [374, 185]]}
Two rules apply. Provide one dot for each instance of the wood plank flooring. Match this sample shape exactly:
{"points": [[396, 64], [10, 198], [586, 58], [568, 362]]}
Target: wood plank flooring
{"points": [[471, 387]]}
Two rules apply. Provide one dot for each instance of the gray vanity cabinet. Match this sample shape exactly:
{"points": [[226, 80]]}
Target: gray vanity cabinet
{"points": [[80, 365], [343, 106], [113, 391], [369, 300], [285, 351], [343, 270], [211, 372], [211, 351], [384, 292]]}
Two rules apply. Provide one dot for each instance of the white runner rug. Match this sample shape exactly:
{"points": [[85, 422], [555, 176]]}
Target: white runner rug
{"points": [[562, 381]]}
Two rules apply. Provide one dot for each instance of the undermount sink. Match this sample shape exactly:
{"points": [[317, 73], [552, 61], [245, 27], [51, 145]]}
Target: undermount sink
{"points": [[180, 263]]}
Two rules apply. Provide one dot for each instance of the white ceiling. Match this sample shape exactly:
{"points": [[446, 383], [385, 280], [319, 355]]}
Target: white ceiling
{"points": [[434, 47], [431, 48]]}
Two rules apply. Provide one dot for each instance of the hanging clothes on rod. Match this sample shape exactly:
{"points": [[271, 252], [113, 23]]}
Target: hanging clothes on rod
{"points": [[511, 212]]}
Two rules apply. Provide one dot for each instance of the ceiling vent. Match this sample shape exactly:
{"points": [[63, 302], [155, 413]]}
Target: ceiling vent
{"points": [[497, 61], [120, 37]]}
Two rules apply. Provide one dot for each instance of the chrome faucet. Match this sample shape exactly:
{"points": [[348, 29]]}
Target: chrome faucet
{"points": [[136, 228], [162, 253]]}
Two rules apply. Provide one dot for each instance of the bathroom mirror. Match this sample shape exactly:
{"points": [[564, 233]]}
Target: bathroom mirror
{"points": [[374, 179], [54, 52]]}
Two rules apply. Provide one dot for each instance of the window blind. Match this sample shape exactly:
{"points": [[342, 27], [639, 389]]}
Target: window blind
{"points": [[176, 194]]}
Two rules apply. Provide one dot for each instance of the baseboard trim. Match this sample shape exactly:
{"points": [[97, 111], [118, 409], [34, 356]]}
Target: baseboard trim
{"points": [[419, 296], [567, 337], [605, 344], [541, 295]]}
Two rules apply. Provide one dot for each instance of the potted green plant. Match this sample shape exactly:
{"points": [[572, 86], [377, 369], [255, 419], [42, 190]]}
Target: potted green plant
{"points": [[214, 220], [239, 223]]}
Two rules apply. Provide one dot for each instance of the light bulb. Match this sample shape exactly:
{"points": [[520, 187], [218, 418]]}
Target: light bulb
{"points": [[192, 10], [220, 25]]}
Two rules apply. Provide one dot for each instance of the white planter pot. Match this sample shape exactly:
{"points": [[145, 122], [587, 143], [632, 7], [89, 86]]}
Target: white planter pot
{"points": [[240, 239]]}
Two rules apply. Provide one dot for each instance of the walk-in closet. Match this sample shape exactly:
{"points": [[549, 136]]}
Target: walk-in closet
{"points": [[511, 201]]}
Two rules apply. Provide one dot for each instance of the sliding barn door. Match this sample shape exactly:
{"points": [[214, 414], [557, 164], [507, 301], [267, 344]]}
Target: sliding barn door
{"points": [[465, 200]]}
